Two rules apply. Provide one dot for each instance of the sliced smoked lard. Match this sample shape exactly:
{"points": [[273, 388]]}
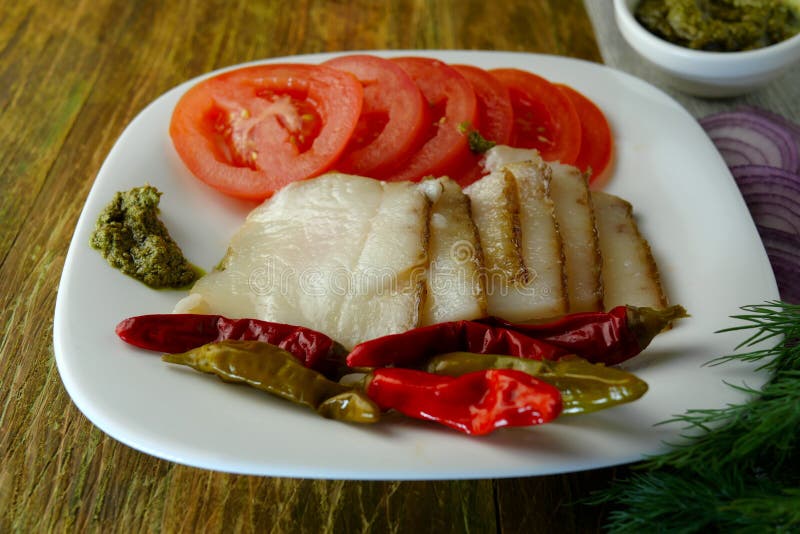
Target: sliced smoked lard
{"points": [[495, 211], [569, 189], [331, 253], [388, 279], [454, 282], [518, 192], [543, 295], [630, 274]]}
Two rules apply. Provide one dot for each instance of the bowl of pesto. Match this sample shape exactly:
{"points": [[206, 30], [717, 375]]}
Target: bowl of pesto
{"points": [[714, 48]]}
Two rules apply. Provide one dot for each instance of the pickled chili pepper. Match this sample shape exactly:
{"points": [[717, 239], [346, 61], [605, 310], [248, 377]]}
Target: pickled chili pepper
{"points": [[475, 403], [417, 345], [182, 332], [274, 370], [585, 387], [600, 337]]}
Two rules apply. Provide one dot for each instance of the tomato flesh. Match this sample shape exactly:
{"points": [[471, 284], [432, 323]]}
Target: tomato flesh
{"points": [[544, 118], [452, 102], [250, 131], [597, 143], [237, 127], [393, 118], [495, 113], [495, 117]]}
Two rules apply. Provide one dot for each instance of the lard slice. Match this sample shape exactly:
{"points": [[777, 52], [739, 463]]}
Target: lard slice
{"points": [[543, 295], [569, 189], [454, 283], [387, 281], [630, 274], [495, 211], [294, 259], [499, 156], [519, 237]]}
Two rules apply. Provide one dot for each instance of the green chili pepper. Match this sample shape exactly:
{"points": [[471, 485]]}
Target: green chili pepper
{"points": [[274, 370], [353, 406], [585, 387]]}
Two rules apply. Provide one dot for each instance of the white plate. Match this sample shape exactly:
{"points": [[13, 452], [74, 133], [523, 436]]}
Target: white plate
{"points": [[688, 206]]}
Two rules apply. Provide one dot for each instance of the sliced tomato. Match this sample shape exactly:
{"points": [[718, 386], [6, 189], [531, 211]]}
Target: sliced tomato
{"points": [[597, 142], [393, 120], [250, 131], [452, 103], [544, 118], [495, 116], [495, 113]]}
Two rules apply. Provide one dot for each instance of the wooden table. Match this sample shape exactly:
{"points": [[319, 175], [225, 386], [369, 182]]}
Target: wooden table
{"points": [[73, 74]]}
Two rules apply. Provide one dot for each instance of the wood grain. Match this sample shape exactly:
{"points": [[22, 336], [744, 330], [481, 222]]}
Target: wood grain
{"points": [[73, 74]]}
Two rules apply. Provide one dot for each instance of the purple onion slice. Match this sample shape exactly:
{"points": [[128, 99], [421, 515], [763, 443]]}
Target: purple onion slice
{"points": [[768, 143], [762, 150], [779, 120], [736, 152], [772, 196]]}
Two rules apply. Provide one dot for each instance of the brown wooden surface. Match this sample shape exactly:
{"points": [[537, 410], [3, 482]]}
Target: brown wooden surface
{"points": [[72, 75]]}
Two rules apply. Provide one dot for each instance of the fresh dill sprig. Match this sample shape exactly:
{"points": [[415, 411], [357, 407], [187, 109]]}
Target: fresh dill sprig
{"points": [[767, 424], [770, 320], [739, 468], [670, 501]]}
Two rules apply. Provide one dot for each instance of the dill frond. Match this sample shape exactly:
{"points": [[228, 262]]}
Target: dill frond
{"points": [[669, 501], [770, 320], [767, 424], [739, 467]]}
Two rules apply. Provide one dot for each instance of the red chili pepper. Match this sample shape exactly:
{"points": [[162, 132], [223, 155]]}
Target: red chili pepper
{"points": [[475, 403], [417, 345], [601, 337], [175, 333]]}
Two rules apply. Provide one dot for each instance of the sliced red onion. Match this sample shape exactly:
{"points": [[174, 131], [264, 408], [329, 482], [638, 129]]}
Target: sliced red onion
{"points": [[783, 250], [762, 150], [772, 195], [774, 144], [779, 120], [781, 218], [736, 152]]}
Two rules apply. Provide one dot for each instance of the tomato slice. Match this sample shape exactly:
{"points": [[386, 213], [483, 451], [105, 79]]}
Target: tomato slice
{"points": [[250, 131], [393, 120], [544, 118], [452, 102], [495, 113], [597, 142], [495, 116]]}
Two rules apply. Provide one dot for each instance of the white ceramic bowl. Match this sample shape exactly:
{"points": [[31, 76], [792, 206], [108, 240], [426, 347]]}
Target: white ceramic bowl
{"points": [[710, 74]]}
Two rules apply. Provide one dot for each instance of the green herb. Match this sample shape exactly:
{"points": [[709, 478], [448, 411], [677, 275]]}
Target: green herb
{"points": [[739, 469], [477, 143]]}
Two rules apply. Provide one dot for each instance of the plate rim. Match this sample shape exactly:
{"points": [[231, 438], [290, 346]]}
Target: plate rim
{"points": [[60, 324]]}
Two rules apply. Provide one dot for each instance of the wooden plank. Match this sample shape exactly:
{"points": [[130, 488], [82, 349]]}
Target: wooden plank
{"points": [[554, 503]]}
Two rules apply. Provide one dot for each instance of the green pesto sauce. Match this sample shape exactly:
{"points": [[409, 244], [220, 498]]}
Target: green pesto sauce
{"points": [[720, 25], [132, 238]]}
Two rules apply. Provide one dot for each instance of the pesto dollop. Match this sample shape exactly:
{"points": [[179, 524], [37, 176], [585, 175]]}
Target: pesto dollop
{"points": [[132, 238], [719, 25]]}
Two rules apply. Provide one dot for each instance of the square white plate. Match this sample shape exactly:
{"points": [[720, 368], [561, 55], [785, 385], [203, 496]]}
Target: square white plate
{"points": [[688, 207]]}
